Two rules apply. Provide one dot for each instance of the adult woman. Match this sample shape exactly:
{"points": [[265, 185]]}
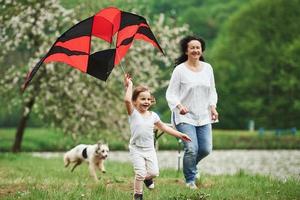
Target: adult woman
{"points": [[192, 98]]}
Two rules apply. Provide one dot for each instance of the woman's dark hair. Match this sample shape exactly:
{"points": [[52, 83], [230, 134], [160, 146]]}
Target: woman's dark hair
{"points": [[183, 48]]}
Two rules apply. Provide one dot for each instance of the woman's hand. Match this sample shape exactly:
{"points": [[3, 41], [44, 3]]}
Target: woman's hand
{"points": [[182, 109], [214, 113], [185, 138]]}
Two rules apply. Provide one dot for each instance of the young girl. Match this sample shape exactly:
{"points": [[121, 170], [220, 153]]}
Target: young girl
{"points": [[141, 145]]}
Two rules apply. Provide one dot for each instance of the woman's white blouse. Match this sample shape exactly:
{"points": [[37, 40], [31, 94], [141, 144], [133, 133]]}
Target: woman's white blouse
{"points": [[196, 91]]}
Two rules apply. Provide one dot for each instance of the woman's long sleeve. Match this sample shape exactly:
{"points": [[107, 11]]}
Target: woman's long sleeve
{"points": [[213, 97], [172, 94]]}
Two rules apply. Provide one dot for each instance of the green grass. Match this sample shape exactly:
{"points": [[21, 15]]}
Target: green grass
{"points": [[41, 139], [25, 177]]}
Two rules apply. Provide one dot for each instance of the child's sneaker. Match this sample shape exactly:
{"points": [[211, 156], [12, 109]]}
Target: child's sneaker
{"points": [[192, 186], [138, 196], [149, 184]]}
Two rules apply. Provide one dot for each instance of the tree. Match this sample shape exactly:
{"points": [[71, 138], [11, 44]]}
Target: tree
{"points": [[256, 65], [203, 17], [81, 105], [206, 19], [25, 29]]}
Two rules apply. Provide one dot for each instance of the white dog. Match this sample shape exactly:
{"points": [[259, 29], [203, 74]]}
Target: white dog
{"points": [[94, 155]]}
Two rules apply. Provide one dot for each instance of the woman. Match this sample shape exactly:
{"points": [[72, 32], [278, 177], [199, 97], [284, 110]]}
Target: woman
{"points": [[192, 98]]}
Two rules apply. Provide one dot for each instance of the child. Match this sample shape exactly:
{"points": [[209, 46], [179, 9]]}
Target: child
{"points": [[141, 145]]}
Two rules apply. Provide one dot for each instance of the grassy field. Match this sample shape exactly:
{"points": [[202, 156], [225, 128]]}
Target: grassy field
{"points": [[25, 177], [39, 139]]}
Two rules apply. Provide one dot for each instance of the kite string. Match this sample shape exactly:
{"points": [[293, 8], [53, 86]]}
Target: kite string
{"points": [[123, 68]]}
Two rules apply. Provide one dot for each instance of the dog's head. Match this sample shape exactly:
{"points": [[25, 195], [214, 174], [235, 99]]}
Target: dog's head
{"points": [[102, 150]]}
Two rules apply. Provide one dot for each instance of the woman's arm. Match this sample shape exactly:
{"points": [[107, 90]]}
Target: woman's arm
{"points": [[162, 126], [172, 93], [128, 94], [213, 97], [214, 113]]}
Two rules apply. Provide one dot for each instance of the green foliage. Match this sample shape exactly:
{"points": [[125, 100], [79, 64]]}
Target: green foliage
{"points": [[26, 177], [11, 118], [86, 8], [64, 97], [204, 18], [255, 66], [22, 48], [255, 56]]}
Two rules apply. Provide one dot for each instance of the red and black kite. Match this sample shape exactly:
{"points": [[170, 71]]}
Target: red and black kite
{"points": [[73, 47]]}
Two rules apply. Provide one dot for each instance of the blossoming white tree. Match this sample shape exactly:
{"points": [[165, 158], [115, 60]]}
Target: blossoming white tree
{"points": [[68, 99], [27, 30]]}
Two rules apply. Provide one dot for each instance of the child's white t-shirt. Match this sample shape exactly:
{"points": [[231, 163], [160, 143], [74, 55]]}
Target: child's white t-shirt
{"points": [[141, 128]]}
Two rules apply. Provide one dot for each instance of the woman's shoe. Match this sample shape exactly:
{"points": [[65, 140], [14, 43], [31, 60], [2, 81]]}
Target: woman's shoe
{"points": [[192, 186]]}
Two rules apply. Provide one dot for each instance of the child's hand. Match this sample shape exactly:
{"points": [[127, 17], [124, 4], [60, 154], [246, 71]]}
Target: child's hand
{"points": [[127, 80], [185, 138]]}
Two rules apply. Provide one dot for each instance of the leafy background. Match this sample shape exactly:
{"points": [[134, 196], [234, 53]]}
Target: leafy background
{"points": [[253, 47]]}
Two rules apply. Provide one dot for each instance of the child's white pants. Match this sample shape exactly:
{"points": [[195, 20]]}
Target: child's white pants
{"points": [[145, 166]]}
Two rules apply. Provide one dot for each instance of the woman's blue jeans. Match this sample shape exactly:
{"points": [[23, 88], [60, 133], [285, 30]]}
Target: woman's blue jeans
{"points": [[197, 149]]}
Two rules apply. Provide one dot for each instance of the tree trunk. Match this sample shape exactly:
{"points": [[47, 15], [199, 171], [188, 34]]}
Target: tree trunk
{"points": [[21, 126]]}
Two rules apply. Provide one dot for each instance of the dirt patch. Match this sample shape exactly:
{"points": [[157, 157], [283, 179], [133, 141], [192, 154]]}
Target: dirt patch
{"points": [[207, 184], [7, 190], [121, 183]]}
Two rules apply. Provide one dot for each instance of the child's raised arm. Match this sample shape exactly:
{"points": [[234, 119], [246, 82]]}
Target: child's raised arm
{"points": [[162, 126], [128, 94]]}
